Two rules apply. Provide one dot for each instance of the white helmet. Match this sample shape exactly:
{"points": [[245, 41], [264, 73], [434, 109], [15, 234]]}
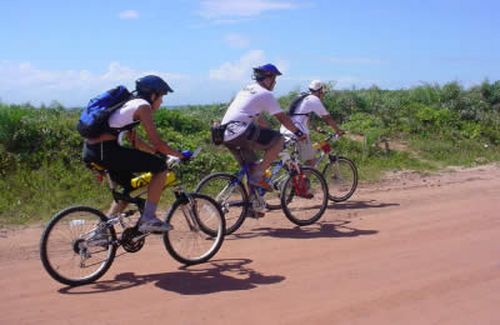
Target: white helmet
{"points": [[316, 85]]}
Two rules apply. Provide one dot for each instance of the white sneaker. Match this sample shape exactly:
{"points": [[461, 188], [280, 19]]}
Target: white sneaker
{"points": [[154, 226]]}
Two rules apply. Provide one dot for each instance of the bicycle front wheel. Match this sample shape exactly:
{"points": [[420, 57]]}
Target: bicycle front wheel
{"points": [[77, 246], [304, 197], [341, 175], [188, 242], [229, 192]]}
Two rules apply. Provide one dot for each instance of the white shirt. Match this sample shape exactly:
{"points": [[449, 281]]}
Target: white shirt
{"points": [[125, 115], [310, 104], [246, 107]]}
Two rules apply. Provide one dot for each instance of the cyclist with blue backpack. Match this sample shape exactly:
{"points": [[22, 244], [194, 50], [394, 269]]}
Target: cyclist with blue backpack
{"points": [[300, 112], [105, 150], [246, 129]]}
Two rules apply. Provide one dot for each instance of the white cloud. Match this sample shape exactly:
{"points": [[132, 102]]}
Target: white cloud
{"points": [[239, 70], [23, 82], [355, 61], [237, 40], [215, 9], [128, 14]]}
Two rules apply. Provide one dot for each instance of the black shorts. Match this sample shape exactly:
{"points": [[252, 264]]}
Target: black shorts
{"points": [[122, 162], [255, 137]]}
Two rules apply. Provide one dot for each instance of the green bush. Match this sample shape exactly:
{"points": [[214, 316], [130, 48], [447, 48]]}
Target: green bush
{"points": [[40, 150]]}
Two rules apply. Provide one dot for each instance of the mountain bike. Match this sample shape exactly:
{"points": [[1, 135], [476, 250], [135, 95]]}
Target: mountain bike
{"points": [[79, 243], [303, 193], [340, 172]]}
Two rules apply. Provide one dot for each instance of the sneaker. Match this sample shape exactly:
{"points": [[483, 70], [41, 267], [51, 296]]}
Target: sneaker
{"points": [[154, 225]]}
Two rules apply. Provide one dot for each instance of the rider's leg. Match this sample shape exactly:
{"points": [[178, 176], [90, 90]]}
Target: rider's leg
{"points": [[117, 207], [155, 187], [306, 152], [270, 155], [149, 222]]}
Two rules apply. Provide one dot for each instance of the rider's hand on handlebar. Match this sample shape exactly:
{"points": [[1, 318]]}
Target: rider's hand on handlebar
{"points": [[186, 155]]}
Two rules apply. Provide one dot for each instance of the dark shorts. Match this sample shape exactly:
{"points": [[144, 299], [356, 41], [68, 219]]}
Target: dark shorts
{"points": [[122, 162], [254, 138]]}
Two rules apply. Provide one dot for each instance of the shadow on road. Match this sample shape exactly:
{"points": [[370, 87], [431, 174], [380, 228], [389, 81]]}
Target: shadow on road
{"points": [[352, 205], [211, 277], [322, 229]]}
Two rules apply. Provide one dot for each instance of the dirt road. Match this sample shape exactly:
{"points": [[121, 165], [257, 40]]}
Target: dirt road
{"points": [[410, 250]]}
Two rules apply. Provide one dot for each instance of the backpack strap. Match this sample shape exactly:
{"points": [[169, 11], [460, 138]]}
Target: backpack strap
{"points": [[295, 104]]}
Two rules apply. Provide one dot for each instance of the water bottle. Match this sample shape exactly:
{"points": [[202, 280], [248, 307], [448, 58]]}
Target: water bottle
{"points": [[145, 179], [141, 180]]}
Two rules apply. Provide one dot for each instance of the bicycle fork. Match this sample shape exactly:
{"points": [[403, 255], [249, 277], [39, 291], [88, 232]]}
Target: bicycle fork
{"points": [[188, 208]]}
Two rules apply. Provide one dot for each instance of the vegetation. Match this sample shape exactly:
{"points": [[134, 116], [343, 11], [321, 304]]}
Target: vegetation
{"points": [[421, 128]]}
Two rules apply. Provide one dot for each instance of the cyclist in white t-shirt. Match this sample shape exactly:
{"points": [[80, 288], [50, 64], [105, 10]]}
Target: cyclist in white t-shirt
{"points": [[300, 114], [246, 128]]}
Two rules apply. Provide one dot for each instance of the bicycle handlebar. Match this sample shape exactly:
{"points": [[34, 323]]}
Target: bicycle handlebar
{"points": [[330, 135], [173, 161]]}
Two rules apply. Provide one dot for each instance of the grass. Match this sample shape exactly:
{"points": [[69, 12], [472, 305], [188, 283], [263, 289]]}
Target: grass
{"points": [[35, 195]]}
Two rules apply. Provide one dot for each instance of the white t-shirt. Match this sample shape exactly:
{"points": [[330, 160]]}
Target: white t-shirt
{"points": [[246, 107], [125, 115], [310, 104]]}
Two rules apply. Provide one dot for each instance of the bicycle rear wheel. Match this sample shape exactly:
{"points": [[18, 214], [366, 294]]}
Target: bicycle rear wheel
{"points": [[304, 197], [188, 242], [341, 176], [77, 247], [229, 192]]}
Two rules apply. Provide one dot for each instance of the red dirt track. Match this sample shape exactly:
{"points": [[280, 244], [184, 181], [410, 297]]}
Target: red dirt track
{"points": [[409, 250]]}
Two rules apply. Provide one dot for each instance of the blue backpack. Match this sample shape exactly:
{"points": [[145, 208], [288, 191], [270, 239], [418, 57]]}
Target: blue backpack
{"points": [[94, 118]]}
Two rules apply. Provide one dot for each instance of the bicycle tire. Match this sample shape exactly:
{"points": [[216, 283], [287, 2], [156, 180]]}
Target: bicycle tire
{"points": [[342, 178], [176, 239], [83, 221], [289, 197], [213, 185]]}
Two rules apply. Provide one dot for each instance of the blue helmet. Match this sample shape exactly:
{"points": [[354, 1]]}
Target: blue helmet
{"points": [[152, 84], [264, 71]]}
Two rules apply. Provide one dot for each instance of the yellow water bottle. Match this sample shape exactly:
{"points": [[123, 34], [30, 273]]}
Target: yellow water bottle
{"points": [[145, 179], [141, 180], [170, 179]]}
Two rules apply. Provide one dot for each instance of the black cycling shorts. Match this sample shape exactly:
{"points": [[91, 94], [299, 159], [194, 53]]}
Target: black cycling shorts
{"points": [[255, 137], [122, 162]]}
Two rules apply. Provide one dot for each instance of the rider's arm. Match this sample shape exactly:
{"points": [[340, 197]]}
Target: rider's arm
{"points": [[144, 114], [330, 121], [138, 142], [287, 122]]}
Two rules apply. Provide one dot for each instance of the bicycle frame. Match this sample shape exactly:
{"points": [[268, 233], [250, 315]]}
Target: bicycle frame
{"points": [[136, 199], [324, 151]]}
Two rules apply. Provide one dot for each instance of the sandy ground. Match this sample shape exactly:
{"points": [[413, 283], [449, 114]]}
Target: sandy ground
{"points": [[409, 250]]}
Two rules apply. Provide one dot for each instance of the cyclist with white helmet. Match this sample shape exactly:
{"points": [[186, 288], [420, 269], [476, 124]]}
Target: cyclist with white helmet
{"points": [[122, 162], [246, 128], [300, 112]]}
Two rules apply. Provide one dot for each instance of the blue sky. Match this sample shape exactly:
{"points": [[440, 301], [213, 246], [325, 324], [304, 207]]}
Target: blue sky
{"points": [[71, 50]]}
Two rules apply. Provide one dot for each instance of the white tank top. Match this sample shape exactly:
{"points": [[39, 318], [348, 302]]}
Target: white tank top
{"points": [[125, 115]]}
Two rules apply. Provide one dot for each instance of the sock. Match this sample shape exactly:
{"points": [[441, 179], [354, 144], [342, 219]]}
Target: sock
{"points": [[149, 211]]}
